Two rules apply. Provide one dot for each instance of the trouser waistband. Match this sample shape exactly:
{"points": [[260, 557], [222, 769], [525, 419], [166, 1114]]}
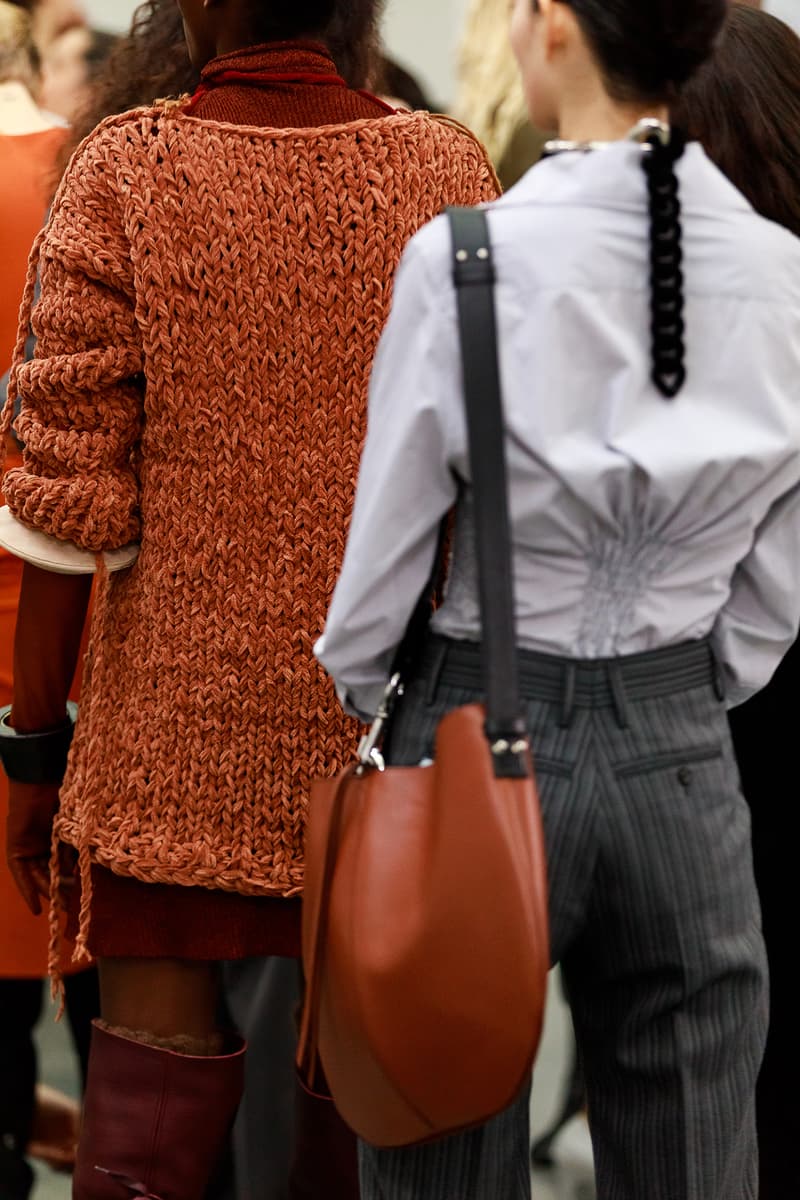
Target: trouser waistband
{"points": [[579, 683]]}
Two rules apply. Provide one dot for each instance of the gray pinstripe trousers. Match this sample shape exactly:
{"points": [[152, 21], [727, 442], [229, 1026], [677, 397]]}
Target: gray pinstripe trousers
{"points": [[654, 919]]}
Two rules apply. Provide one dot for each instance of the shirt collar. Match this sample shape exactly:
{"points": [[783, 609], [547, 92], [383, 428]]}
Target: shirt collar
{"points": [[612, 177]]}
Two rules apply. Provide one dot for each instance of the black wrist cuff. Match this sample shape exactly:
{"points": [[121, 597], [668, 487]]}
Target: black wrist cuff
{"points": [[36, 757]]}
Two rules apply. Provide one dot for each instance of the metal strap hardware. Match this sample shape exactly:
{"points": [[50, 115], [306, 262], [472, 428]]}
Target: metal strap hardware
{"points": [[369, 754], [503, 746]]}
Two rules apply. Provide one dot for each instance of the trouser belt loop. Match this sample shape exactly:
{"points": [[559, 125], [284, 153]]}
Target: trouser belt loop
{"points": [[439, 659], [617, 685], [717, 674], [568, 696]]}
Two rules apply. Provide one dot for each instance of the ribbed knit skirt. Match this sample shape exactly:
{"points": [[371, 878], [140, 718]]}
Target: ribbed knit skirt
{"points": [[131, 919]]}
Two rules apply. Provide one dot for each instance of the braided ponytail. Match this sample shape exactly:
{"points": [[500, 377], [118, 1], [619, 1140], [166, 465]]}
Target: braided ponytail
{"points": [[647, 51], [666, 262]]}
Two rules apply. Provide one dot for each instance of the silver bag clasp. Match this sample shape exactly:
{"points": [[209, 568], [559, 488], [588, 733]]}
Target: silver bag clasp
{"points": [[369, 752]]}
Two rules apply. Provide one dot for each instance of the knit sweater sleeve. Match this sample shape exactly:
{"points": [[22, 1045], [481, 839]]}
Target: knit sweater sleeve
{"points": [[471, 178], [82, 395]]}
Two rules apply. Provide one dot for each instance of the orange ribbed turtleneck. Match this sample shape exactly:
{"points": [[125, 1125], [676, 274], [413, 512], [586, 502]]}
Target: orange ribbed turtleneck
{"points": [[287, 89]]}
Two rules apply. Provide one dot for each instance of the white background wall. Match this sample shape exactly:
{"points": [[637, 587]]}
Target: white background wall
{"points": [[422, 34], [113, 15], [787, 10]]}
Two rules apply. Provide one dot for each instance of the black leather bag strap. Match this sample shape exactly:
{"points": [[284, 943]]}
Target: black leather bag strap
{"points": [[473, 273]]}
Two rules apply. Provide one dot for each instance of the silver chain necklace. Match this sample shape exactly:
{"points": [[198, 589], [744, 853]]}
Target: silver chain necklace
{"points": [[642, 132]]}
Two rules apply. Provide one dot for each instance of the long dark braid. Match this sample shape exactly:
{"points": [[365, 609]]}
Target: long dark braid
{"points": [[647, 51], [666, 263]]}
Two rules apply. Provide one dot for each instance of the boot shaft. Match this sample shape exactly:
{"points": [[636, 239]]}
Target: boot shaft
{"points": [[155, 1122]]}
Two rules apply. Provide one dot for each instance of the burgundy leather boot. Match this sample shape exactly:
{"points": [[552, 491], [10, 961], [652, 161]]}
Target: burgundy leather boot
{"points": [[155, 1122]]}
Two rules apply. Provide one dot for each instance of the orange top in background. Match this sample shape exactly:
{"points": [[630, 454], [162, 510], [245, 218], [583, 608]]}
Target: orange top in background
{"points": [[24, 938], [27, 174], [27, 181]]}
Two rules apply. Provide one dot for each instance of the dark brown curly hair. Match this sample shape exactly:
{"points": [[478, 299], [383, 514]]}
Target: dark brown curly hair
{"points": [[152, 61], [354, 41], [149, 63], [744, 107]]}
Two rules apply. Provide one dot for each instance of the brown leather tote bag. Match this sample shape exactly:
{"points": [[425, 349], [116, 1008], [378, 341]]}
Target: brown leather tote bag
{"points": [[425, 926]]}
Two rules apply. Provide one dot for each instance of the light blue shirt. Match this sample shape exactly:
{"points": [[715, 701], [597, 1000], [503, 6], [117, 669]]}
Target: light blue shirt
{"points": [[637, 522]]}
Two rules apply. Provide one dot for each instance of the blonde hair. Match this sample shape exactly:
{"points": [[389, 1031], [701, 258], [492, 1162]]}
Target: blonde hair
{"points": [[19, 59], [490, 99]]}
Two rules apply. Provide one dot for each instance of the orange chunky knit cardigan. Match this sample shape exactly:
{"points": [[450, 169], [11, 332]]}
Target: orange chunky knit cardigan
{"points": [[212, 296]]}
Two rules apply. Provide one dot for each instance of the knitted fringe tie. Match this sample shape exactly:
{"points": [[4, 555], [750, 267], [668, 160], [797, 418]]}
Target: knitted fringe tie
{"points": [[87, 822]]}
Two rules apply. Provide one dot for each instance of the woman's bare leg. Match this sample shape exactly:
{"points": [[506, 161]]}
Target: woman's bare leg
{"points": [[164, 1085], [165, 998]]}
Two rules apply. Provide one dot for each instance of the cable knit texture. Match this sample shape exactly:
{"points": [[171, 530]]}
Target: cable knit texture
{"points": [[212, 296]]}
